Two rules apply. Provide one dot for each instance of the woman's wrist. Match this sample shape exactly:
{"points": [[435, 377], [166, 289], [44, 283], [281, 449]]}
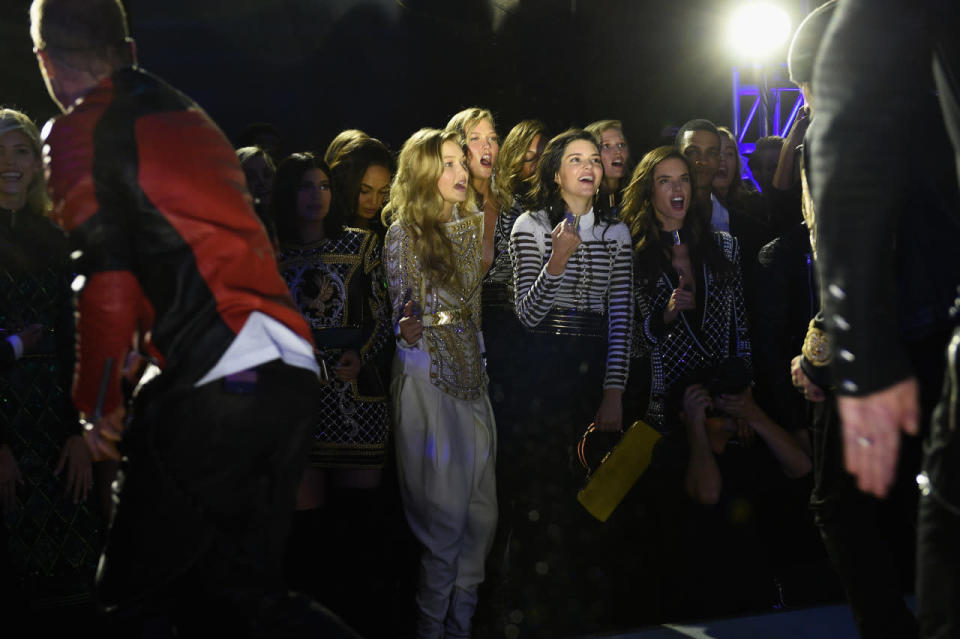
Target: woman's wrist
{"points": [[556, 265]]}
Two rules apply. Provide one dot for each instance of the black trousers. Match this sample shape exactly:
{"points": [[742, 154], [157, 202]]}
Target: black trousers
{"points": [[872, 542], [204, 498], [938, 537]]}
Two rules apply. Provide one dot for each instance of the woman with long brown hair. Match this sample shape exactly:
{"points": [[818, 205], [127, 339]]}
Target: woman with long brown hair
{"points": [[689, 295]]}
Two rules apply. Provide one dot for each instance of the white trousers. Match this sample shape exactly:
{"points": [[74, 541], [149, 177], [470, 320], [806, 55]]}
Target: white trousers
{"points": [[446, 453]]}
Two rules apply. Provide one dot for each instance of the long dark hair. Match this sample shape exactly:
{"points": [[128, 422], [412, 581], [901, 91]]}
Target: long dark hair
{"points": [[638, 213], [289, 174], [351, 164], [545, 194]]}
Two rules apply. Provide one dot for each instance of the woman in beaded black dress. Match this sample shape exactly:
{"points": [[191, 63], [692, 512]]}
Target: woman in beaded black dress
{"points": [[52, 534], [361, 177], [574, 295], [334, 275], [690, 308]]}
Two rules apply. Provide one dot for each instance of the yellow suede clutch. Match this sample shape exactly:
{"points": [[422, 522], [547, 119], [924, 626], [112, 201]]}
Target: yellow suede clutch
{"points": [[619, 471]]}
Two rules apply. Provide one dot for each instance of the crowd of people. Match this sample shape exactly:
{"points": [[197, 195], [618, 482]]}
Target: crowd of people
{"points": [[342, 390]]}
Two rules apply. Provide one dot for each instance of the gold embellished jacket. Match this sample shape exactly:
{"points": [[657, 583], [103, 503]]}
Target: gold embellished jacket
{"points": [[450, 353]]}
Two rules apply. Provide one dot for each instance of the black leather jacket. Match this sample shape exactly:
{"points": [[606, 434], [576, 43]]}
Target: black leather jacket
{"points": [[884, 185]]}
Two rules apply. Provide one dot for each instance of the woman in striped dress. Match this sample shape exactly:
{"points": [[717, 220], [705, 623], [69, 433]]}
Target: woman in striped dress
{"points": [[573, 290]]}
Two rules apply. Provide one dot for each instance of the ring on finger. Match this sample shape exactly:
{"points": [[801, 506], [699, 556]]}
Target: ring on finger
{"points": [[864, 442]]}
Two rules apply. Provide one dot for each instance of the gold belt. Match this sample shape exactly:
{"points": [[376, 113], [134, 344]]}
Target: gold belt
{"points": [[443, 318]]}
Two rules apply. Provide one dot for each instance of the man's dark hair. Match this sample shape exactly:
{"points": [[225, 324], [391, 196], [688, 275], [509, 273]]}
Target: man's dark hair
{"points": [[698, 124], [77, 30], [252, 132], [769, 142], [806, 42]]}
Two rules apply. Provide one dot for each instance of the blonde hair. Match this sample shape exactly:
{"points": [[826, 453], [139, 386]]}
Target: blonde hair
{"points": [[415, 202], [462, 124], [597, 128], [513, 152], [13, 120]]}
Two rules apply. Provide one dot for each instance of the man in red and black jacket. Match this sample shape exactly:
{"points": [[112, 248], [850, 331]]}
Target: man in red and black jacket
{"points": [[173, 261]]}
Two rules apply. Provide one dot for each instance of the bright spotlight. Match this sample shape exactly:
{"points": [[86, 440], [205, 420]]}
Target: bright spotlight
{"points": [[757, 29]]}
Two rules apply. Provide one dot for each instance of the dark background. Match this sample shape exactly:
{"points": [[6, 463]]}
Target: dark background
{"points": [[389, 67]]}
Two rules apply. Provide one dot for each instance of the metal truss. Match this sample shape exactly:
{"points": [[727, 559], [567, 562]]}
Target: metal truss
{"points": [[767, 106]]}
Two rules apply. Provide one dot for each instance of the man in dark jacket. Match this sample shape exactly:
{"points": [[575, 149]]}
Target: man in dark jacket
{"points": [[888, 279]]}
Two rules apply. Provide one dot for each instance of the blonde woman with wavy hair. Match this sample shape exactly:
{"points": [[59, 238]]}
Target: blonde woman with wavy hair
{"points": [[36, 355], [444, 425], [615, 154], [28, 189]]}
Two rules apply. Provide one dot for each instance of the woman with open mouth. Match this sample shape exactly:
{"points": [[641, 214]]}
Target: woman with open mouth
{"points": [[573, 282], [53, 527], [615, 153], [690, 309], [444, 426]]}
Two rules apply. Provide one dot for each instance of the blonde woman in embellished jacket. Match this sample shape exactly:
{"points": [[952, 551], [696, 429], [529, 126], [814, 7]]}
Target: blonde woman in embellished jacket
{"points": [[445, 431]]}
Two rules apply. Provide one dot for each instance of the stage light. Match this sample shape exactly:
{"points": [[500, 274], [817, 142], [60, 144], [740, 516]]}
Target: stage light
{"points": [[757, 29]]}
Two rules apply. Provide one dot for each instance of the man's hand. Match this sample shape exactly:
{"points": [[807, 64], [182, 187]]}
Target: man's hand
{"points": [[871, 433], [103, 435], [745, 409], [76, 457], [9, 478], [696, 401], [811, 392]]}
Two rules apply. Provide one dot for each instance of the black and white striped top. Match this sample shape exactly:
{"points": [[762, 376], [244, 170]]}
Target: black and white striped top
{"points": [[598, 278]]}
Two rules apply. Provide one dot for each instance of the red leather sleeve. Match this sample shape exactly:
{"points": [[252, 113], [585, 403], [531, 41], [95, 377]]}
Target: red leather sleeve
{"points": [[107, 321]]}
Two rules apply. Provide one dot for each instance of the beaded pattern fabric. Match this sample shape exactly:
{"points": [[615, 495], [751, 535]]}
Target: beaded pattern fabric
{"points": [[337, 284], [54, 543], [721, 334], [451, 313]]}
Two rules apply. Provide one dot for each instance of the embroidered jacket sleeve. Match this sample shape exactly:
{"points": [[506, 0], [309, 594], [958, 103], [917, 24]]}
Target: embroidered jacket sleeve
{"points": [[377, 303], [619, 310], [651, 300], [738, 322], [535, 289], [401, 267], [859, 194]]}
